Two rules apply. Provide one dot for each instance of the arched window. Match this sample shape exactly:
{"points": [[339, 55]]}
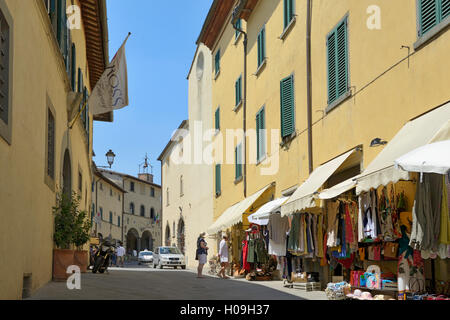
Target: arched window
{"points": [[131, 207], [142, 211], [152, 213], [173, 230]]}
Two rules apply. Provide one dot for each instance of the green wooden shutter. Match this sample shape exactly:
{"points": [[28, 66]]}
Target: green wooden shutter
{"points": [[238, 26], [287, 106], [218, 179], [236, 174], [238, 90], [288, 12], [261, 46], [80, 79], [60, 21], [342, 60], [445, 9], [258, 135], [238, 160], [337, 59], [217, 61], [331, 57], [260, 139], [428, 15], [73, 67], [217, 119]]}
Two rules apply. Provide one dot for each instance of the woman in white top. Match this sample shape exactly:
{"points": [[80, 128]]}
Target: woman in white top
{"points": [[223, 256]]}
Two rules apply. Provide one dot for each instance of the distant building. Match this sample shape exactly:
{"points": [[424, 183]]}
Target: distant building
{"points": [[107, 208], [141, 210], [188, 184]]}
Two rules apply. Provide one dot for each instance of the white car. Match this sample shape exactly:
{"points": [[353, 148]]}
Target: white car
{"points": [[145, 257], [168, 257]]}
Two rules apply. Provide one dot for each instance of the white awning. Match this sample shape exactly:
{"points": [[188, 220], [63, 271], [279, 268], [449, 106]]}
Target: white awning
{"points": [[338, 189], [303, 197], [430, 158], [414, 134], [261, 217], [233, 215]]}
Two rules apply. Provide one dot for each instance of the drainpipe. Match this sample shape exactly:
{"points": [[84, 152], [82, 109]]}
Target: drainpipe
{"points": [[244, 105], [309, 83]]}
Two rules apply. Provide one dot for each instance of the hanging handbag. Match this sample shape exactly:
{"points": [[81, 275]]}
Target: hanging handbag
{"points": [[377, 253], [390, 250], [371, 253], [362, 253]]}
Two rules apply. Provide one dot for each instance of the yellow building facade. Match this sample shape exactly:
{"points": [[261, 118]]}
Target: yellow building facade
{"points": [[39, 154], [392, 68]]}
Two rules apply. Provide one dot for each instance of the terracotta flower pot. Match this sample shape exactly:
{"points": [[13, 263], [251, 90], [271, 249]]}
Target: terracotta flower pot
{"points": [[81, 260], [62, 259]]}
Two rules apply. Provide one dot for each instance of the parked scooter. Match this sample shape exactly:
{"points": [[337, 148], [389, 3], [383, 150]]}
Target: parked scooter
{"points": [[102, 257]]}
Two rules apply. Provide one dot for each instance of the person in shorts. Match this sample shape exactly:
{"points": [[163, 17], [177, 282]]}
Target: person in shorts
{"points": [[201, 253], [223, 256]]}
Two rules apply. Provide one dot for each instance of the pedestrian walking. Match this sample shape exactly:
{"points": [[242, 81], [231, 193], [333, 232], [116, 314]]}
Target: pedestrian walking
{"points": [[120, 255], [201, 253], [223, 256]]}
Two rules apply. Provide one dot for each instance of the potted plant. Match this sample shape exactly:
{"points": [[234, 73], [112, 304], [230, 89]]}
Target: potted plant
{"points": [[82, 226], [63, 255]]}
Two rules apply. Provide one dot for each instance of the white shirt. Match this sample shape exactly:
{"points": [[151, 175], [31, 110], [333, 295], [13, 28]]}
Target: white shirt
{"points": [[223, 249], [120, 251]]}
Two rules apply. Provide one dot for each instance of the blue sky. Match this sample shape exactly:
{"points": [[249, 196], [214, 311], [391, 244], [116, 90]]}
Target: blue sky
{"points": [[159, 54]]}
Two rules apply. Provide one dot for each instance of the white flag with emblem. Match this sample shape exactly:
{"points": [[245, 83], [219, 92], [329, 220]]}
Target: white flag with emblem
{"points": [[111, 91]]}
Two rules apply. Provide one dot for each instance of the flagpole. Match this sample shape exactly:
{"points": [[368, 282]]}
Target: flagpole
{"points": [[78, 114]]}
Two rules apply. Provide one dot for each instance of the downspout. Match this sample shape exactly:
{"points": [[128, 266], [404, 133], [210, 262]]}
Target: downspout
{"points": [[244, 106], [309, 84]]}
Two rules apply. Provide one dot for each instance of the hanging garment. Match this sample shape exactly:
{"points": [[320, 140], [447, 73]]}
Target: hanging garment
{"points": [[348, 224], [444, 235], [368, 223], [360, 221], [324, 260], [384, 207], [246, 266], [251, 251], [354, 217], [301, 235], [375, 213], [278, 227], [308, 234], [427, 212], [294, 232], [319, 252], [332, 226], [315, 237], [418, 219]]}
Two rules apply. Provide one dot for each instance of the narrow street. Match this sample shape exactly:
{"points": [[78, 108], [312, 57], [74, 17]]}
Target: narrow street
{"points": [[145, 283]]}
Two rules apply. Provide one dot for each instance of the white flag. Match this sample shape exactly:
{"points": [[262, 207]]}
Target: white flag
{"points": [[111, 91]]}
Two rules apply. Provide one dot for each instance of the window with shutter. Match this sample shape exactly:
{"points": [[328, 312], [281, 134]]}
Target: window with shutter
{"points": [[287, 106], [4, 72], [218, 179], [445, 9], [217, 119], [261, 46], [50, 144], [238, 160], [73, 67], [217, 62], [431, 13], [238, 90], [288, 12], [260, 134], [337, 61], [238, 25], [110, 217]]}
